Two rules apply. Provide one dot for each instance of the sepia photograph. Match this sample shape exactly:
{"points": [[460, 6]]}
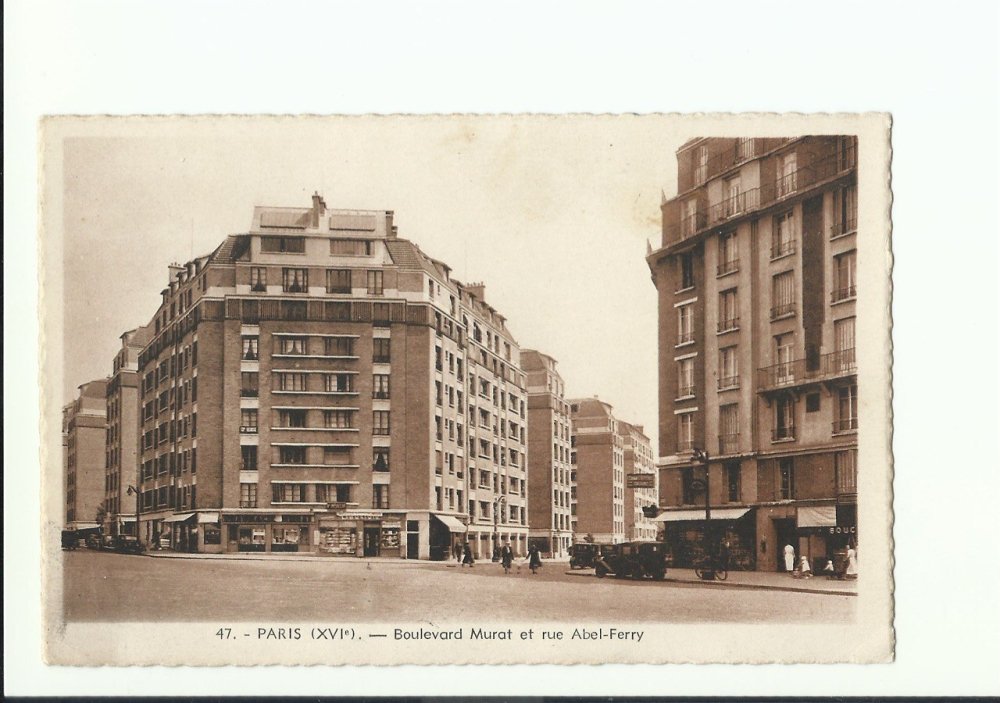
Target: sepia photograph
{"points": [[442, 379]]}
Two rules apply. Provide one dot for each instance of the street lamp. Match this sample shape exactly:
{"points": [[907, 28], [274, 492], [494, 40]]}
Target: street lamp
{"points": [[701, 456], [138, 507], [497, 502]]}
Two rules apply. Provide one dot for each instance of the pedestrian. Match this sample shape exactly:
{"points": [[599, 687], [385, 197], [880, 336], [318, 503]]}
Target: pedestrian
{"points": [[456, 551], [804, 570], [506, 557], [467, 556], [829, 569], [534, 559], [852, 562], [789, 558]]}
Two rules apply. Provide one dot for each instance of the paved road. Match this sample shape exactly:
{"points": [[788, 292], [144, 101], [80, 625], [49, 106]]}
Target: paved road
{"points": [[113, 587]]}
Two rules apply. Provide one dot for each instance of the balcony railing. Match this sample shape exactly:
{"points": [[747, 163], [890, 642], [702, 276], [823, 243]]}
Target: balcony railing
{"points": [[726, 382], [380, 395], [732, 323], [782, 248], [685, 391], [782, 310], [729, 443], [845, 424], [249, 392], [845, 293], [783, 434], [734, 205], [727, 267], [685, 337], [792, 373]]}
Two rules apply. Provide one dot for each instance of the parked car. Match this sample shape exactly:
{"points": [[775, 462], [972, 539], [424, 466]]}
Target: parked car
{"points": [[633, 560], [70, 540], [127, 544], [582, 555]]}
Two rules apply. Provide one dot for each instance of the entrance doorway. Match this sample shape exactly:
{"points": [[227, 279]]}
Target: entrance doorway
{"points": [[786, 533], [371, 541]]}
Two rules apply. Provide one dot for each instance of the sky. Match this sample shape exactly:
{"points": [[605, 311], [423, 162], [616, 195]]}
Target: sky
{"points": [[553, 214]]}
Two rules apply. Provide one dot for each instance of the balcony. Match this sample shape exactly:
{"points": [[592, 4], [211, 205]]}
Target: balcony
{"points": [[734, 205], [841, 229], [728, 382], [729, 325], [845, 293], [782, 248], [798, 373], [782, 310], [727, 267]]}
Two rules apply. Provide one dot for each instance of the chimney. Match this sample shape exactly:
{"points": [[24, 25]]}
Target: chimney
{"points": [[318, 208], [175, 270], [478, 290]]}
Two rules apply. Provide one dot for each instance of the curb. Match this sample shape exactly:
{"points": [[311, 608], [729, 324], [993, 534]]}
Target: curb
{"points": [[305, 560], [744, 586]]}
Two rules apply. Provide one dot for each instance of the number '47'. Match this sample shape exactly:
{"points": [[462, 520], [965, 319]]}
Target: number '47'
{"points": [[224, 633]]}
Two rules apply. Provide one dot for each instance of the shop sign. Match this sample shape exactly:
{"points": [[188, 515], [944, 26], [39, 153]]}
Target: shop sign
{"points": [[296, 518], [248, 518], [640, 481], [830, 530]]}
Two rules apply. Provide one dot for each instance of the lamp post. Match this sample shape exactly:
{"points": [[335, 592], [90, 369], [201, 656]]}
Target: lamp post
{"points": [[701, 456], [497, 502], [138, 508]]}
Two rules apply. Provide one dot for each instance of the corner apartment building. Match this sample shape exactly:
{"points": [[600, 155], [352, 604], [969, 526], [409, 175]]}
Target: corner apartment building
{"points": [[597, 472], [319, 384], [756, 289], [84, 423], [638, 461], [549, 430], [122, 442]]}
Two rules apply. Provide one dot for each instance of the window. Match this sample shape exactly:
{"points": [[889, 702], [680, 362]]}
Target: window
{"points": [[380, 422], [248, 385], [291, 455], [338, 346], [784, 419], [843, 338], [729, 311], [745, 148], [689, 495], [288, 493], [685, 324], [248, 421], [786, 479], [685, 431], [380, 459], [685, 378], [337, 456], [291, 418], [350, 247], [258, 279], [729, 428], [338, 280], [380, 386], [295, 280], [380, 496], [787, 180], [783, 239], [293, 345], [374, 283], [689, 218], [248, 456], [729, 369], [733, 482], [847, 410], [783, 295], [812, 402], [729, 253], [283, 245], [844, 277], [733, 203], [783, 350], [687, 270], [338, 383], [701, 165], [291, 381], [250, 352], [846, 468], [248, 495], [380, 350], [338, 419], [845, 211]]}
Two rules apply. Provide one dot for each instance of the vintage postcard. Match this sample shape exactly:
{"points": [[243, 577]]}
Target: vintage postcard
{"points": [[466, 389]]}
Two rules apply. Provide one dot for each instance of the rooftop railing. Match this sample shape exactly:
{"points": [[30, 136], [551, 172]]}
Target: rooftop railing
{"points": [[799, 372]]}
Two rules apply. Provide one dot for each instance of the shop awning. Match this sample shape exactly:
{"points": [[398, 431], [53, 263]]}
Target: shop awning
{"points": [[183, 517], [717, 514], [127, 519], [207, 517], [821, 516], [451, 523]]}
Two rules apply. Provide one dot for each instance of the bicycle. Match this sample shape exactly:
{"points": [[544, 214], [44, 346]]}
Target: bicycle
{"points": [[709, 571]]}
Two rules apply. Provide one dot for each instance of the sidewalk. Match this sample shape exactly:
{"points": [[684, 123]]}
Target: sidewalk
{"points": [[758, 580], [263, 556]]}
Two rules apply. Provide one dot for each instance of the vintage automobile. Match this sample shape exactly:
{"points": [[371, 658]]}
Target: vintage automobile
{"points": [[635, 560], [127, 544], [582, 555], [70, 540]]}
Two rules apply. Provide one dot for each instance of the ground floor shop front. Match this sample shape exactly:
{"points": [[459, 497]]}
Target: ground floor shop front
{"points": [[551, 544], [755, 538]]}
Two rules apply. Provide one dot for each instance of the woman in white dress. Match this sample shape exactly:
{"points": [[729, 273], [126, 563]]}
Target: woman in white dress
{"points": [[852, 563], [789, 558]]}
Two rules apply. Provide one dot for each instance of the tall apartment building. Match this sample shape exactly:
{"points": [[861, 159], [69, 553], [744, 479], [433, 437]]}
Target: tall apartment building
{"points": [[318, 384], [756, 286], [597, 472], [638, 460], [84, 420], [549, 507], [122, 442]]}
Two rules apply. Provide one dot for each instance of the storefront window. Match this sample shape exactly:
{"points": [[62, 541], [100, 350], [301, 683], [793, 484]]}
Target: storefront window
{"points": [[339, 540]]}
